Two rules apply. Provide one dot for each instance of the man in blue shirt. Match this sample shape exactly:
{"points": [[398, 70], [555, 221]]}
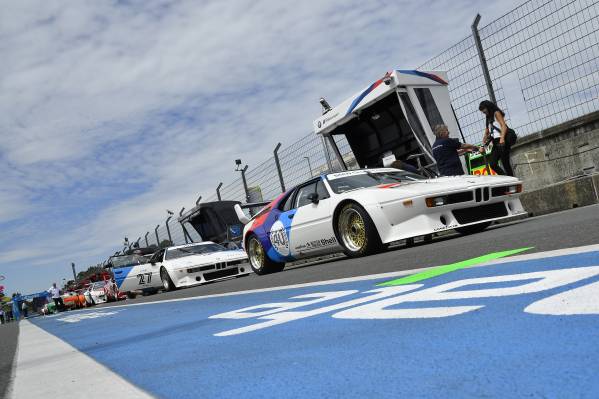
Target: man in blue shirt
{"points": [[447, 152]]}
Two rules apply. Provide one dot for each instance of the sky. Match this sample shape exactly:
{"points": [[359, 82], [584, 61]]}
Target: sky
{"points": [[112, 112]]}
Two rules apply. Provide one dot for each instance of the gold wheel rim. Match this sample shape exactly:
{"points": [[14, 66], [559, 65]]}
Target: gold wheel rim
{"points": [[256, 253], [352, 229]]}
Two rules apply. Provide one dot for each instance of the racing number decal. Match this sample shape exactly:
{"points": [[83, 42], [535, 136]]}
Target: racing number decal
{"points": [[279, 238], [142, 278]]}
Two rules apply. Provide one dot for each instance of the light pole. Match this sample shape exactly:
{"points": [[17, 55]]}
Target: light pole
{"points": [[146, 237], [218, 190], [168, 230], [157, 239], [185, 233], [309, 166]]}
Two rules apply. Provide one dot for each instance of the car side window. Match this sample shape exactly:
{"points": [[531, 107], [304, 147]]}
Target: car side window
{"points": [[301, 197], [322, 191], [287, 204]]}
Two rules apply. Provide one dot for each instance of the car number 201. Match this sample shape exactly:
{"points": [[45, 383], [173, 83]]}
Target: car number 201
{"points": [[144, 278]]}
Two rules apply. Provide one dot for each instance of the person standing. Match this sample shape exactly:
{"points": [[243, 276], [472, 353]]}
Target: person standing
{"points": [[502, 145], [1, 315], [55, 294], [24, 309], [447, 151]]}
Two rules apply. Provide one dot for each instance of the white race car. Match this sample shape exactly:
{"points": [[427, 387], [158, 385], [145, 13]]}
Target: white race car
{"points": [[360, 211], [100, 292], [134, 273], [198, 263]]}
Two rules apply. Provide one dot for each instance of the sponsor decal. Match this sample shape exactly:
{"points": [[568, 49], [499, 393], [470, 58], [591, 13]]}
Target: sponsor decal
{"points": [[316, 244], [279, 238]]}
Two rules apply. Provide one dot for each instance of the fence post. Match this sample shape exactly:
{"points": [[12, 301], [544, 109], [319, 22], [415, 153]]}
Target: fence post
{"points": [[181, 223], [326, 154], [483, 60], [218, 190], [278, 165], [157, 239], [146, 237], [168, 230], [245, 184], [197, 202]]}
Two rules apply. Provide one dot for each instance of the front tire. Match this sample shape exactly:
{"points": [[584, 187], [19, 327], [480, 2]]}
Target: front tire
{"points": [[473, 229], [167, 283], [356, 231], [259, 261]]}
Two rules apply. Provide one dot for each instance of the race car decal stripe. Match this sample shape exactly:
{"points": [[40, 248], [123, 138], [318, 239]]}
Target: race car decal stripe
{"points": [[121, 274], [366, 92], [440, 270], [424, 75], [390, 185]]}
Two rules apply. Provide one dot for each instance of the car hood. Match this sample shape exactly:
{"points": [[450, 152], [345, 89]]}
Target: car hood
{"points": [[206, 259], [387, 192]]}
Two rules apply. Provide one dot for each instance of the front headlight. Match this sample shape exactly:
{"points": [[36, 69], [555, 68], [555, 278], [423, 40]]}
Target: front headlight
{"points": [[432, 202], [515, 189]]}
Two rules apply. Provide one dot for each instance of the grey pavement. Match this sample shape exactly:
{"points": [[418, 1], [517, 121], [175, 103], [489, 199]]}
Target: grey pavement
{"points": [[9, 333]]}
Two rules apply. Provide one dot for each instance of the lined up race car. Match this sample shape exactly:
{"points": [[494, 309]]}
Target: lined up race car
{"points": [[198, 263], [360, 212]]}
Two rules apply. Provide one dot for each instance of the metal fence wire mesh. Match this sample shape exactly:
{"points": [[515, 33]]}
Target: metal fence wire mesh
{"points": [[543, 58]]}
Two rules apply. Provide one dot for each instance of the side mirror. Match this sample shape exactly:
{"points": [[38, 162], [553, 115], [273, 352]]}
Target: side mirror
{"points": [[240, 214], [313, 197]]}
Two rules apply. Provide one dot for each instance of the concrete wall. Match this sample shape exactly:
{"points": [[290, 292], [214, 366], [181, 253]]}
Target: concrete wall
{"points": [[565, 150]]}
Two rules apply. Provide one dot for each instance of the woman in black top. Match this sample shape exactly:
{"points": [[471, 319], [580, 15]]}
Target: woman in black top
{"points": [[502, 145]]}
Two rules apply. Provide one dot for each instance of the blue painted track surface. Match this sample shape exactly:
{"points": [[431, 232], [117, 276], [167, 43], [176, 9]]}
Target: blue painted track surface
{"points": [[169, 349]]}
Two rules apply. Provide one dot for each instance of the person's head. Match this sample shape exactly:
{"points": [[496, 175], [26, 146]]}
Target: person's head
{"points": [[397, 164], [54, 285], [489, 108], [441, 131]]}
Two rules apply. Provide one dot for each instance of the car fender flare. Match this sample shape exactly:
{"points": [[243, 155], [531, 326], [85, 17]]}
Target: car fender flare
{"points": [[338, 208]]}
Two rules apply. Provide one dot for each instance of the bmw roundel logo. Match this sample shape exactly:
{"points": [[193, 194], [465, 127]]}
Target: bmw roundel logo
{"points": [[319, 124]]}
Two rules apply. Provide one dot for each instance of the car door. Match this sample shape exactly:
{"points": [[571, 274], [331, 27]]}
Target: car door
{"points": [[150, 276], [311, 231]]}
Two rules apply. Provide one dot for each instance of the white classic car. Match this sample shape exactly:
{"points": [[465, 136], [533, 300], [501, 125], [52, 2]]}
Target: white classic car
{"points": [[198, 263], [360, 211], [100, 292]]}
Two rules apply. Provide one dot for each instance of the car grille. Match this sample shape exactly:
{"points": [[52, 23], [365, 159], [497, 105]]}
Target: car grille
{"points": [[221, 273], [481, 194], [216, 266], [456, 198], [477, 213]]}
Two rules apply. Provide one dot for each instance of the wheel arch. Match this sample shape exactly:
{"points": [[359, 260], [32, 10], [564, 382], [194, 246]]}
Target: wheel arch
{"points": [[340, 206]]}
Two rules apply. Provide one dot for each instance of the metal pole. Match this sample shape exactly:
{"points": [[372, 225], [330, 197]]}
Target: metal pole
{"points": [[137, 242], [197, 202], [326, 154], [309, 166], [168, 230], [483, 60], [156, 232], [245, 184], [181, 223], [218, 190], [278, 165], [336, 151], [74, 272], [146, 237]]}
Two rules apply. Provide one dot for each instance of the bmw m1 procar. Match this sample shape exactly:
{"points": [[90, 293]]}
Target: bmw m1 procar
{"points": [[359, 212], [198, 263]]}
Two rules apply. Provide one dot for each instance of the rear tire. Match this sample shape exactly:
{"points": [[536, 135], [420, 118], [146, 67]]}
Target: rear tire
{"points": [[259, 261], [131, 295], [473, 229], [356, 231], [167, 283]]}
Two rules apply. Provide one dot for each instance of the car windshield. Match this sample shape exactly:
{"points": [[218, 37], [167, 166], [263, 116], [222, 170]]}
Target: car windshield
{"points": [[97, 285], [174, 253], [128, 260], [363, 179]]}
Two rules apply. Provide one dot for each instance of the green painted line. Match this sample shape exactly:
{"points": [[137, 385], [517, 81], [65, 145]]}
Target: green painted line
{"points": [[444, 269]]}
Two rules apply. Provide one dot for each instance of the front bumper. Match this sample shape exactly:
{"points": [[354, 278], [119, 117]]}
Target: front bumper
{"points": [[396, 221], [193, 275]]}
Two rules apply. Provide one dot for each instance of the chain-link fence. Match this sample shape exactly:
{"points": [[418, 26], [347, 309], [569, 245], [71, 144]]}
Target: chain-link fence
{"points": [[543, 59]]}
